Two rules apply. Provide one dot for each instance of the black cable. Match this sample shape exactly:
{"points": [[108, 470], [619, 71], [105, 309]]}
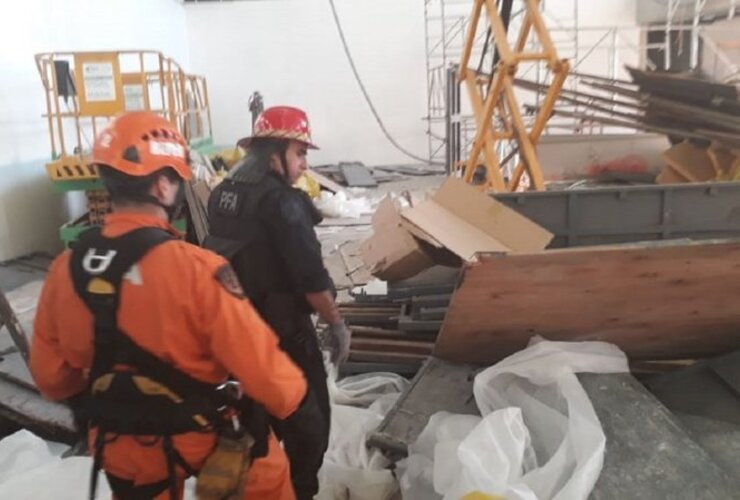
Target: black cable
{"points": [[367, 96], [485, 51]]}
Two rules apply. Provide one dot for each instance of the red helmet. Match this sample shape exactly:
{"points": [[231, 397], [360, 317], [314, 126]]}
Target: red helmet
{"points": [[281, 122], [139, 143]]}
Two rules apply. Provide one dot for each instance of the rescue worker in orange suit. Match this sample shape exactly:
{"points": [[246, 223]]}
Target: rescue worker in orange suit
{"points": [[139, 329], [265, 227]]}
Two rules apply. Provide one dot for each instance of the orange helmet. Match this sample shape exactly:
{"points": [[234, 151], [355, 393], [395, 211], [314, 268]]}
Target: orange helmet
{"points": [[139, 143], [281, 122]]}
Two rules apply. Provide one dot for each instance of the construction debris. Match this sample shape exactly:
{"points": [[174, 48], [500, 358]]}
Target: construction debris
{"points": [[698, 116], [676, 105], [438, 386], [325, 182], [399, 327], [658, 458], [357, 175], [458, 222], [654, 301]]}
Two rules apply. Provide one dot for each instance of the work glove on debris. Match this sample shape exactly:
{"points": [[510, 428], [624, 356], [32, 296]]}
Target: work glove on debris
{"points": [[339, 338]]}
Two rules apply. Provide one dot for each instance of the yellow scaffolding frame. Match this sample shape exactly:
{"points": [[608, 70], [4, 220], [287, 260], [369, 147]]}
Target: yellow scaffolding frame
{"points": [[495, 103], [180, 97]]}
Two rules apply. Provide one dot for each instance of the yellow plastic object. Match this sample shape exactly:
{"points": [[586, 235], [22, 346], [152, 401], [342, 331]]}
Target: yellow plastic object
{"points": [[222, 476], [308, 184], [230, 156], [477, 495], [99, 286], [68, 168]]}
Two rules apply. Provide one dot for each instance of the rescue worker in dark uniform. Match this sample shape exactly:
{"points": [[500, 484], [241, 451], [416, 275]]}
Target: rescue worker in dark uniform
{"points": [[265, 227]]}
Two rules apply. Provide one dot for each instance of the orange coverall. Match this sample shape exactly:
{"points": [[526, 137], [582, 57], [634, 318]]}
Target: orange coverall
{"points": [[173, 306]]}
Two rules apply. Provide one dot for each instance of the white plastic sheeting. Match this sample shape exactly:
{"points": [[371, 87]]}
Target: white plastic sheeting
{"points": [[343, 205], [539, 437], [32, 469], [350, 470]]}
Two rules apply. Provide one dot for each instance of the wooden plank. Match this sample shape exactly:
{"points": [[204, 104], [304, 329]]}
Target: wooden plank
{"points": [[386, 357], [364, 220], [371, 332], [421, 348], [325, 181], [667, 301]]}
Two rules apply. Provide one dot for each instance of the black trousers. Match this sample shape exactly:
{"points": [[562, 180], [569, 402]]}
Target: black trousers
{"points": [[302, 345]]}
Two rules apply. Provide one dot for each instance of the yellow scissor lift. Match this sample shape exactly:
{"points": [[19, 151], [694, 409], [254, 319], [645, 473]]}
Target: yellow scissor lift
{"points": [[85, 90]]}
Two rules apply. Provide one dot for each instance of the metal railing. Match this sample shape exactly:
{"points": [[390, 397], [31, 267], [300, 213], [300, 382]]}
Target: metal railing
{"points": [[129, 80]]}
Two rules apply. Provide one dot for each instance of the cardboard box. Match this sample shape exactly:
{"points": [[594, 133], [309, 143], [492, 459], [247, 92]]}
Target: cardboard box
{"points": [[392, 253], [458, 218]]}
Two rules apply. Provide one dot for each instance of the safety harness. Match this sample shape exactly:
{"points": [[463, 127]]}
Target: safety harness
{"points": [[131, 391]]}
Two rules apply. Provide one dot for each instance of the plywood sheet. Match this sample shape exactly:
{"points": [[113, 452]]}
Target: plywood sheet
{"points": [[669, 176], [665, 301], [691, 162]]}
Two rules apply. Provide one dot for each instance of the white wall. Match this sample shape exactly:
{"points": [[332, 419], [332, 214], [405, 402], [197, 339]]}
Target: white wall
{"points": [[290, 51], [29, 212], [599, 51]]}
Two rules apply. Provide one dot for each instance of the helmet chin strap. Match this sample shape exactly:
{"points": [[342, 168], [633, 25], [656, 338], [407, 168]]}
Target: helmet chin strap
{"points": [[284, 165], [175, 210]]}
